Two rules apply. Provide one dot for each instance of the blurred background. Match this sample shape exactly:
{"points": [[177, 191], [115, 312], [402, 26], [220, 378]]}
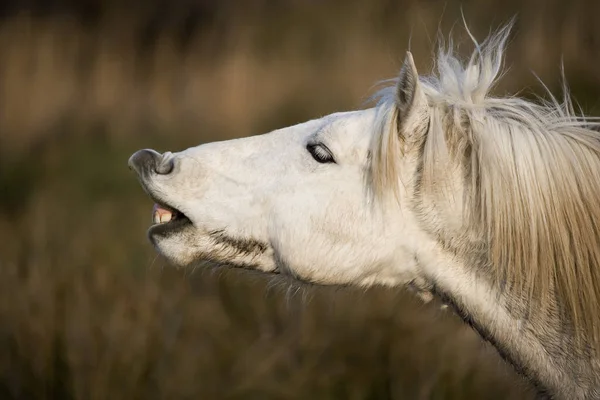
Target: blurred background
{"points": [[87, 310]]}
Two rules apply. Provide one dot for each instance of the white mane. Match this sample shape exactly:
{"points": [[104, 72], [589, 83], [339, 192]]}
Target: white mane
{"points": [[532, 180]]}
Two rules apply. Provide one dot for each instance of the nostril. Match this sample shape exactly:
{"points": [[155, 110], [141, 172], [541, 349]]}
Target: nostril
{"points": [[165, 166], [144, 161], [148, 161]]}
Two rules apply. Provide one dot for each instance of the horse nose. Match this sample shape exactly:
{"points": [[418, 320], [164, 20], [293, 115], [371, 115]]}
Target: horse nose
{"points": [[148, 161]]}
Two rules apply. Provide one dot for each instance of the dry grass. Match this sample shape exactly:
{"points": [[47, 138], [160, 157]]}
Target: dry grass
{"points": [[86, 310], [255, 67], [97, 333]]}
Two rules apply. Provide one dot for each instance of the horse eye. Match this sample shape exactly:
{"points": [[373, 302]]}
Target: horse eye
{"points": [[320, 153]]}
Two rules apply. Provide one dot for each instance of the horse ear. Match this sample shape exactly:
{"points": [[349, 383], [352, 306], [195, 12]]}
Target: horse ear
{"points": [[409, 93]]}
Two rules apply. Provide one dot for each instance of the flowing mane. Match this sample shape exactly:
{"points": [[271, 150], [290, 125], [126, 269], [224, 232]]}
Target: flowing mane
{"points": [[531, 182]]}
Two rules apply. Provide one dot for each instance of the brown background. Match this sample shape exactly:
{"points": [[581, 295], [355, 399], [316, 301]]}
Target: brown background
{"points": [[87, 311]]}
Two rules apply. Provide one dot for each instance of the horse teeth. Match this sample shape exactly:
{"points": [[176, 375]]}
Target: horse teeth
{"points": [[161, 217], [165, 217]]}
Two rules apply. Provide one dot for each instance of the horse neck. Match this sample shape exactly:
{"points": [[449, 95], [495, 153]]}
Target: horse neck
{"points": [[534, 346]]}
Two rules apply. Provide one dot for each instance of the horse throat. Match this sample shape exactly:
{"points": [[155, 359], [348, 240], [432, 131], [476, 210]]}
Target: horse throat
{"points": [[495, 340], [534, 346]]}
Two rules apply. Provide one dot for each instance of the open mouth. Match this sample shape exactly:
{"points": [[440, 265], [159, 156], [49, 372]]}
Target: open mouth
{"points": [[166, 219]]}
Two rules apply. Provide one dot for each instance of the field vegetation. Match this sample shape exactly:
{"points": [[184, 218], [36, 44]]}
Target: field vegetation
{"points": [[87, 310]]}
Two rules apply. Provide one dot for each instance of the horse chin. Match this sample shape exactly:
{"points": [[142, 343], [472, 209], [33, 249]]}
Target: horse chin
{"points": [[171, 239]]}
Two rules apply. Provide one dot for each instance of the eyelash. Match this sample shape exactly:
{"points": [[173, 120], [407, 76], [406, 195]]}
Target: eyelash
{"points": [[320, 153]]}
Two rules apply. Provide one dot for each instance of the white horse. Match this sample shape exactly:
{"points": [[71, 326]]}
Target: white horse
{"points": [[489, 203]]}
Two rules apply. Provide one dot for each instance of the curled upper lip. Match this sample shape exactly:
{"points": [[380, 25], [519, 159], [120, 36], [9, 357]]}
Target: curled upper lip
{"points": [[164, 203], [181, 216]]}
